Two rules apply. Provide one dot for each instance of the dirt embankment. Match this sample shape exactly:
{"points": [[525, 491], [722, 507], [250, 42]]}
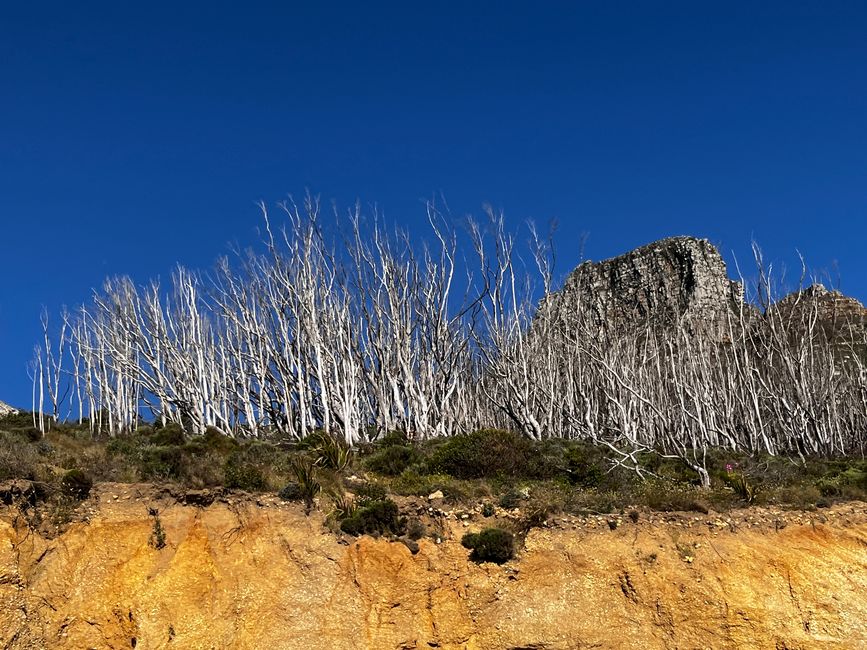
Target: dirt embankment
{"points": [[242, 573]]}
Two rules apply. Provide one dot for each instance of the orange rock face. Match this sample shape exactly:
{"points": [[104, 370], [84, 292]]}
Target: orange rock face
{"points": [[242, 575]]}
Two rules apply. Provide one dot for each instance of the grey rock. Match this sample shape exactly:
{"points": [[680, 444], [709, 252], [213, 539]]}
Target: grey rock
{"points": [[661, 282], [5, 410]]}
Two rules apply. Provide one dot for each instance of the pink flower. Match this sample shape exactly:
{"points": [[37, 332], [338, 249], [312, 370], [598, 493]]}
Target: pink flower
{"points": [[729, 468]]}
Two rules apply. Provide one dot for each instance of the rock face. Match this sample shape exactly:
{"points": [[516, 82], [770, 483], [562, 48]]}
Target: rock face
{"points": [[5, 410], [838, 314], [840, 319], [238, 574], [679, 276]]}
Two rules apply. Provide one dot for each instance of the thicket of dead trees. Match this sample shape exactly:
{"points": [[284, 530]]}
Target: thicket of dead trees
{"points": [[369, 333]]}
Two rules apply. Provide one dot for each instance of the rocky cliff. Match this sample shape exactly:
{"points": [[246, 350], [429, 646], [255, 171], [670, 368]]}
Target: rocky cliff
{"points": [[679, 276], [5, 410], [841, 317], [242, 573]]}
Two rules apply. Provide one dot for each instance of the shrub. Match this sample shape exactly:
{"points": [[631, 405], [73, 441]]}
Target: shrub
{"points": [[30, 433], [536, 516], [393, 438], [855, 476], [17, 458], [800, 496], [512, 499], [123, 446], [216, 440], [290, 492], [76, 484], [157, 539], [489, 453], [392, 460], [583, 467], [161, 462], [243, 475], [411, 483], [20, 420], [368, 493], [490, 545], [415, 530], [664, 496], [848, 482], [375, 518], [170, 435]]}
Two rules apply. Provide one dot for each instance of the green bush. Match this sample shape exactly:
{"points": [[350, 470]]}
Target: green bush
{"points": [[368, 493], [490, 545], [798, 496], [392, 439], [512, 498], [664, 496], [583, 466], [243, 475], [375, 518], [161, 463], [30, 433], [490, 453], [76, 484], [218, 441], [18, 459], [850, 482], [856, 475], [411, 483], [157, 539], [392, 460], [291, 492], [20, 420], [415, 530], [170, 435]]}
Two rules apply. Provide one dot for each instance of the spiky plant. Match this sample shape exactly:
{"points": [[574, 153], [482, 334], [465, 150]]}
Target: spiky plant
{"points": [[331, 451], [305, 474]]}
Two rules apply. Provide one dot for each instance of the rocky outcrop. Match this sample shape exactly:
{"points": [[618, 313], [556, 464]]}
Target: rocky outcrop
{"points": [[659, 282], [5, 410], [836, 313], [247, 573]]}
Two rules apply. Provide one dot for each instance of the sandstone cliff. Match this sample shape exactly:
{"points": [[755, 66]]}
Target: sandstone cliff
{"points": [[248, 574], [679, 276]]}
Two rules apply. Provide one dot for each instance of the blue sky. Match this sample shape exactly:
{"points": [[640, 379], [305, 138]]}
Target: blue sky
{"points": [[136, 136]]}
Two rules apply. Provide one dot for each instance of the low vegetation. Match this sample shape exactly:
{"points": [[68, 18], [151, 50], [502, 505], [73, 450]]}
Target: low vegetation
{"points": [[490, 545], [490, 470]]}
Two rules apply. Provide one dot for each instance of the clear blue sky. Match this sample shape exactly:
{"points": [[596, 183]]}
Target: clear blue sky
{"points": [[137, 135]]}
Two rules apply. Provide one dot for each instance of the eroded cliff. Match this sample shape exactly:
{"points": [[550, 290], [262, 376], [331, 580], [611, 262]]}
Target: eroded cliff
{"points": [[246, 574]]}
